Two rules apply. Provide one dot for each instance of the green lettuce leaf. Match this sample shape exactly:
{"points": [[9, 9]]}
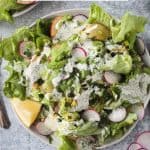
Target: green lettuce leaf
{"points": [[119, 64], [59, 56], [12, 87], [9, 47], [128, 27], [67, 144], [89, 128], [98, 15], [5, 15]]}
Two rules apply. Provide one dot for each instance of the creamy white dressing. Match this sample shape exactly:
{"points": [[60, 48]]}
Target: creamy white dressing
{"points": [[82, 100], [69, 66], [66, 30], [82, 66], [57, 79]]}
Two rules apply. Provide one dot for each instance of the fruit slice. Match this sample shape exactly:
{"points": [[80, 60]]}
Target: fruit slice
{"points": [[118, 114], [53, 29], [144, 139], [27, 110], [134, 146], [112, 77], [91, 115], [80, 18], [42, 129], [79, 52]]}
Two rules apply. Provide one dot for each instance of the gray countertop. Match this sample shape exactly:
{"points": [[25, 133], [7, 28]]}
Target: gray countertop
{"points": [[16, 137]]}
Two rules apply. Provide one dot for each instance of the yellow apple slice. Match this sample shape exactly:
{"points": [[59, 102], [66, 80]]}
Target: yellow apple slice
{"points": [[27, 110]]}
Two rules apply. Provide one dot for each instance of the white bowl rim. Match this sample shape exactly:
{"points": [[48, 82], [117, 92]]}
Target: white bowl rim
{"points": [[42, 138], [25, 10]]}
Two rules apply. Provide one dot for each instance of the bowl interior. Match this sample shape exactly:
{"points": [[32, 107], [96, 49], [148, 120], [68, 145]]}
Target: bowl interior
{"points": [[32, 130]]}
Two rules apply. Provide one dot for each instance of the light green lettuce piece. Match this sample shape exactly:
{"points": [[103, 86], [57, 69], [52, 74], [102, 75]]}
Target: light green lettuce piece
{"points": [[87, 129], [67, 144], [5, 15], [128, 27], [9, 47], [119, 64], [98, 15], [59, 56]]}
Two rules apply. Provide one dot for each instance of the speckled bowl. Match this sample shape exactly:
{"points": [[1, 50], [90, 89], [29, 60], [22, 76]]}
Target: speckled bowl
{"points": [[114, 141], [27, 9]]}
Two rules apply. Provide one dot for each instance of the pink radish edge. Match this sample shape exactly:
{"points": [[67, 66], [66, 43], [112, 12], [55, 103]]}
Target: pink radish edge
{"points": [[139, 110], [81, 49], [137, 140], [136, 144], [80, 17]]}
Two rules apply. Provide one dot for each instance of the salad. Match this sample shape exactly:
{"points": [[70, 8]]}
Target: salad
{"points": [[9, 7], [80, 79]]}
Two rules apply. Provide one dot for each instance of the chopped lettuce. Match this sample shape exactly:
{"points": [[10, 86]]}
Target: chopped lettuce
{"points": [[98, 15], [13, 87], [5, 15], [119, 64], [67, 144], [128, 27], [9, 47], [89, 128], [59, 56], [7, 8]]}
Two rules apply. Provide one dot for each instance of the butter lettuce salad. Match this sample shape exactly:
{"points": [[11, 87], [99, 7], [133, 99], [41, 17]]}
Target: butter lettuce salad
{"points": [[84, 71], [10, 7]]}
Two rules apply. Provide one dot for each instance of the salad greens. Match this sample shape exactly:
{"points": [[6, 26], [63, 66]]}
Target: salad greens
{"points": [[8, 8], [84, 75]]}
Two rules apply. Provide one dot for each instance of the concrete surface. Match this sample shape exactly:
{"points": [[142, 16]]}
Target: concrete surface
{"points": [[17, 138]]}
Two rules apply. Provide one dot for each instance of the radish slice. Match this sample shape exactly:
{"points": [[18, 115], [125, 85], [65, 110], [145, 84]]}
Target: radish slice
{"points": [[139, 110], [112, 77], [26, 2], [144, 139], [26, 49], [42, 129], [91, 115], [143, 51], [134, 146], [118, 114], [79, 52], [80, 18]]}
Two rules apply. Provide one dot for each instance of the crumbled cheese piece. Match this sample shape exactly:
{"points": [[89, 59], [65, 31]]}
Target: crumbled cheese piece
{"points": [[82, 100], [82, 66]]}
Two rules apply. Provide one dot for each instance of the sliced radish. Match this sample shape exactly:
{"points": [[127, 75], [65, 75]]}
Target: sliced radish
{"points": [[144, 139], [79, 52], [134, 146], [118, 114], [91, 115], [139, 110], [42, 129], [51, 122], [112, 77], [80, 18], [26, 2], [143, 51], [26, 49]]}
